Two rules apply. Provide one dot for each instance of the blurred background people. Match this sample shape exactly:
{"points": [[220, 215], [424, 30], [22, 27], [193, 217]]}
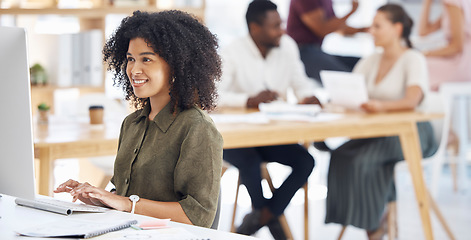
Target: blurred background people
{"points": [[309, 21], [260, 68], [450, 63], [360, 178]]}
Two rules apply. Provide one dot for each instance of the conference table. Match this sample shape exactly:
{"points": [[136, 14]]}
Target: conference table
{"points": [[74, 139]]}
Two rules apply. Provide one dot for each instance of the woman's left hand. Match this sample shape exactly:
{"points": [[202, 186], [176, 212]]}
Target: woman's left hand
{"points": [[373, 106], [100, 196]]}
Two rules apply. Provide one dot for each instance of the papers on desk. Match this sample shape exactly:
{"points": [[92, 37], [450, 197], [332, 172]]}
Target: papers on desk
{"points": [[76, 228], [279, 107], [320, 117], [160, 234], [279, 111], [282, 111], [254, 118]]}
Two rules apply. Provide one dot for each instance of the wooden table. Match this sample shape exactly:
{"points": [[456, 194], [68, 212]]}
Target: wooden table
{"points": [[63, 141], [65, 138]]}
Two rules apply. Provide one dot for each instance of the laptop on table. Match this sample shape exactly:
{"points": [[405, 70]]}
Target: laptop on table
{"points": [[16, 139]]}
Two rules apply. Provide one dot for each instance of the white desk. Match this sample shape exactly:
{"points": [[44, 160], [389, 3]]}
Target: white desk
{"points": [[14, 217]]}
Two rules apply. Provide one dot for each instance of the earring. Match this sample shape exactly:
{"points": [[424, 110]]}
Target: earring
{"points": [[173, 79]]}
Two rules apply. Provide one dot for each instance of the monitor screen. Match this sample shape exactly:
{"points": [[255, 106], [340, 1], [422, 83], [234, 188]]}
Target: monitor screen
{"points": [[16, 140]]}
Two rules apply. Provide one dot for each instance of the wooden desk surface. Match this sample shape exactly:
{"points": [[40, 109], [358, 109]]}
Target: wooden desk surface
{"points": [[67, 140], [60, 131], [353, 125]]}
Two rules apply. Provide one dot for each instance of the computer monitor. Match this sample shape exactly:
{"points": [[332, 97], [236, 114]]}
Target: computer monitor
{"points": [[16, 138]]}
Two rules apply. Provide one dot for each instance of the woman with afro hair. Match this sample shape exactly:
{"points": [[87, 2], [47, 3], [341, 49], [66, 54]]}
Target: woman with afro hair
{"points": [[169, 158]]}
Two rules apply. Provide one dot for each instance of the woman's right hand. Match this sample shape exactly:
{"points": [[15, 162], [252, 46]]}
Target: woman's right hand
{"points": [[67, 186], [72, 185]]}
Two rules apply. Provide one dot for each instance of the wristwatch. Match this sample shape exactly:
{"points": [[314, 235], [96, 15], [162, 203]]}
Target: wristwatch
{"points": [[134, 199]]}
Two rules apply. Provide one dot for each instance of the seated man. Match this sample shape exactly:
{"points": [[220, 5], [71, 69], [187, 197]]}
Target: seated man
{"points": [[258, 68]]}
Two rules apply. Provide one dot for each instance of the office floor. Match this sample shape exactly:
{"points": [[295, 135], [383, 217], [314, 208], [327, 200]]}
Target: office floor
{"points": [[455, 206]]}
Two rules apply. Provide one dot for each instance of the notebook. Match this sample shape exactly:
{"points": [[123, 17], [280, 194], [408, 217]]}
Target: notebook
{"points": [[174, 233], [345, 89], [76, 228], [16, 138]]}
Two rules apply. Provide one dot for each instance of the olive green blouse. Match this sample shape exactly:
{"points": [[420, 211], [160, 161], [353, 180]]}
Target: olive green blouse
{"points": [[173, 158]]}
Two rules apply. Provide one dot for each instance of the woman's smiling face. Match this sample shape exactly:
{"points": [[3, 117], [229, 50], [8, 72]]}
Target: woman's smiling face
{"points": [[148, 72]]}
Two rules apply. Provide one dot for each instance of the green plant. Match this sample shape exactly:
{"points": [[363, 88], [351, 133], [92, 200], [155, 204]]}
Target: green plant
{"points": [[43, 107], [38, 74], [37, 67]]}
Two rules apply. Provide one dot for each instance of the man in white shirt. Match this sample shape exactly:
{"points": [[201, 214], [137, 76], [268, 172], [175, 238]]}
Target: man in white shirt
{"points": [[261, 67]]}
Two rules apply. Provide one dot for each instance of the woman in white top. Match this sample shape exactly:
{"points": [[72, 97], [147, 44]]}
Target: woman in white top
{"points": [[451, 62], [360, 180], [448, 63]]}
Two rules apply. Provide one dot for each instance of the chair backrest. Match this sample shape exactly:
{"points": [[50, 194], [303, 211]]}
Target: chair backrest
{"points": [[449, 92]]}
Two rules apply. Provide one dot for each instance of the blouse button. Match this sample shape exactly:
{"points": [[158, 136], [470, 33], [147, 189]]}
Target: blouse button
{"points": [[135, 150], [126, 180]]}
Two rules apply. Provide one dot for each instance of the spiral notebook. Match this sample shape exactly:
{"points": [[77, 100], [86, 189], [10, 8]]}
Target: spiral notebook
{"points": [[172, 233], [75, 228]]}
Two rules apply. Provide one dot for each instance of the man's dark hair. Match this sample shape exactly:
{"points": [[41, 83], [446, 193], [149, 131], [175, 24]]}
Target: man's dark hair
{"points": [[257, 10], [185, 44]]}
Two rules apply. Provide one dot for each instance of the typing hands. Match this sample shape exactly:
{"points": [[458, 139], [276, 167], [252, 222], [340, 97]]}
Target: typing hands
{"points": [[94, 196], [263, 97]]}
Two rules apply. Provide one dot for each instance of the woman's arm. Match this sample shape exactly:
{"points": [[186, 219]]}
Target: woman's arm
{"points": [[456, 41], [316, 22], [157, 209], [94, 195], [351, 30], [425, 25], [413, 97]]}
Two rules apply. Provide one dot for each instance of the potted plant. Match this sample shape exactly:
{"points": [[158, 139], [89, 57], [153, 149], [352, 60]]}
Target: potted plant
{"points": [[38, 75], [43, 111]]}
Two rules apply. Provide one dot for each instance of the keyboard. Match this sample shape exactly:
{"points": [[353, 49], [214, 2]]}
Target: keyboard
{"points": [[58, 206]]}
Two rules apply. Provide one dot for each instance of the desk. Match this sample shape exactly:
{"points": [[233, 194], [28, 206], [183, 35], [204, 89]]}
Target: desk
{"points": [[236, 135], [15, 217], [66, 138], [402, 124]]}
